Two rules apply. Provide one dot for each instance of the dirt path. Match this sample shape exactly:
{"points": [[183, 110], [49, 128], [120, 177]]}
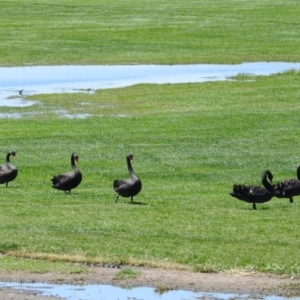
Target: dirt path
{"points": [[254, 284]]}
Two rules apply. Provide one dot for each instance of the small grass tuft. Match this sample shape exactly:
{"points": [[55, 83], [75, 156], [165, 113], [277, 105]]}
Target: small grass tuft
{"points": [[205, 269], [5, 247], [161, 289], [127, 274]]}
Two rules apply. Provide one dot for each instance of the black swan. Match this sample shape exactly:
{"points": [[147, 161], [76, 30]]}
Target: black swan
{"points": [[68, 181], [128, 187], [255, 194], [8, 172], [288, 188]]}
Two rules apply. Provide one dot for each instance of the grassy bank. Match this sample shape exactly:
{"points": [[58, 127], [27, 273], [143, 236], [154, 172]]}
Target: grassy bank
{"points": [[191, 143], [161, 32]]}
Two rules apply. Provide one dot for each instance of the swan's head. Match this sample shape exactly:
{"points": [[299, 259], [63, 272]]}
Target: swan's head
{"points": [[13, 153], [268, 174], [75, 157], [130, 157]]}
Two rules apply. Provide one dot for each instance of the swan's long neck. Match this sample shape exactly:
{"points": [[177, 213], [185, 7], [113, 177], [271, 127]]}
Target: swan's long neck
{"points": [[130, 169], [73, 164], [267, 175], [298, 172], [7, 157]]}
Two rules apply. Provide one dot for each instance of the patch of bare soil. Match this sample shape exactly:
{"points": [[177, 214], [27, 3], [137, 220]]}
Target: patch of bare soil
{"points": [[254, 284]]}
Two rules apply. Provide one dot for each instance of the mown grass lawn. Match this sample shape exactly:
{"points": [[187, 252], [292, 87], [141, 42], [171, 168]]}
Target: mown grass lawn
{"points": [[161, 32], [191, 142]]}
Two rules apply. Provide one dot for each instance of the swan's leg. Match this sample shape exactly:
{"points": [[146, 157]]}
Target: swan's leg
{"points": [[291, 200], [6, 184], [117, 198], [254, 205], [131, 199]]}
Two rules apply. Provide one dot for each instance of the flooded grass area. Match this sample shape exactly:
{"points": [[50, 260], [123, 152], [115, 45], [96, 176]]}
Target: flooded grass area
{"points": [[16, 83]]}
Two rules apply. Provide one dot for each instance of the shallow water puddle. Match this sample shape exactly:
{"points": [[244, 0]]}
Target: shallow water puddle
{"points": [[108, 292], [24, 81], [15, 102]]}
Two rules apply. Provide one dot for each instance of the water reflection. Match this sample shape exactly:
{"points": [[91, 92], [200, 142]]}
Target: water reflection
{"points": [[108, 292], [23, 81]]}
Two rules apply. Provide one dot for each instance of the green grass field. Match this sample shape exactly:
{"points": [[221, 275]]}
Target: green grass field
{"points": [[191, 142], [139, 31]]}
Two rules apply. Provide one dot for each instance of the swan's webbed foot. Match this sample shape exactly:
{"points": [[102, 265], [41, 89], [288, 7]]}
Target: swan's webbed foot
{"points": [[291, 200]]}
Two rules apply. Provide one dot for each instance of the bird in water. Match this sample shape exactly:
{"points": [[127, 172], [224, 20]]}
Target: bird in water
{"points": [[128, 187], [255, 194], [68, 181], [8, 172], [288, 188]]}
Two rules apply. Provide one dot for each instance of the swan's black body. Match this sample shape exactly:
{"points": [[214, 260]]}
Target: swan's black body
{"points": [[288, 188], [255, 194], [128, 187], [68, 181], [8, 172]]}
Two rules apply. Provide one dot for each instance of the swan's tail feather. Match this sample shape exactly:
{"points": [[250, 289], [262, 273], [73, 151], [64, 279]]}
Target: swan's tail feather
{"points": [[54, 180], [116, 183]]}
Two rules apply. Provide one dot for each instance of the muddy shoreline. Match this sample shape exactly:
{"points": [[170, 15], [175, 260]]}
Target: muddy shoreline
{"points": [[252, 283]]}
